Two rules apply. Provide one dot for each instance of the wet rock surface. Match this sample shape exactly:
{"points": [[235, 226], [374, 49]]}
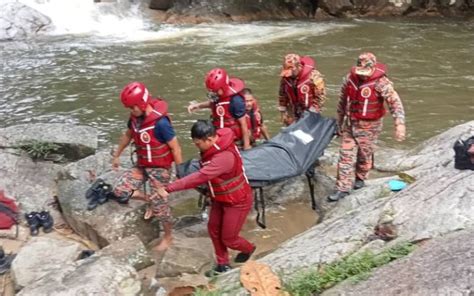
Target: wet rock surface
{"points": [[438, 203], [91, 276], [40, 256], [184, 11], [443, 266], [19, 21], [130, 251]]}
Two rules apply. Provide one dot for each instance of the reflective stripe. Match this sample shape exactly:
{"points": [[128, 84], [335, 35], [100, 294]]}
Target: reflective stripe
{"points": [[228, 181], [140, 147], [237, 187], [148, 152], [154, 156], [159, 114], [364, 110], [211, 189], [145, 129]]}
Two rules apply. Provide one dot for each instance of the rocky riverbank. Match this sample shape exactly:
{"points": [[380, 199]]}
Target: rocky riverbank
{"points": [[439, 203], [195, 11]]}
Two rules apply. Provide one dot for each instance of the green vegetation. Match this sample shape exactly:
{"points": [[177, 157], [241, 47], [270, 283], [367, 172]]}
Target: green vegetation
{"points": [[354, 267], [39, 150]]}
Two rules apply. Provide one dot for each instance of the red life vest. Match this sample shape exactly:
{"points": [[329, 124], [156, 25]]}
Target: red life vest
{"points": [[221, 115], [232, 187], [301, 92], [254, 122], [364, 101], [150, 151]]}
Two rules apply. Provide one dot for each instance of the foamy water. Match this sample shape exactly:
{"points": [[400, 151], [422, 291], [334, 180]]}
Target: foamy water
{"points": [[123, 22]]}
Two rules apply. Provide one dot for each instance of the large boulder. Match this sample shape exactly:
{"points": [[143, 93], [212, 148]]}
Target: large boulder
{"points": [[19, 21], [186, 255], [432, 155], [40, 256], [443, 266], [74, 142], [436, 204], [91, 276], [108, 222], [130, 251], [234, 10], [31, 183]]}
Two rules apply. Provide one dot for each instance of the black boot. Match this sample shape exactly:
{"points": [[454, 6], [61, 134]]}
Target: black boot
{"points": [[5, 261], [217, 270], [46, 221], [337, 195], [122, 199], [97, 194], [358, 184], [243, 257], [33, 222]]}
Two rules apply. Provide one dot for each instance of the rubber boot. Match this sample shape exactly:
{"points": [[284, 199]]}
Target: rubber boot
{"points": [[217, 270], [358, 184], [33, 222], [243, 257], [46, 221]]}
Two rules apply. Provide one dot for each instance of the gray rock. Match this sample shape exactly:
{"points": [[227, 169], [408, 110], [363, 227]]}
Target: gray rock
{"points": [[186, 255], [75, 142], [40, 256], [92, 276], [106, 223], [130, 251], [437, 204], [432, 154], [443, 266], [19, 21], [31, 183]]}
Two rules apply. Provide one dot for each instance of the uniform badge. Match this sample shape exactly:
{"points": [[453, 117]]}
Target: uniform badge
{"points": [[366, 92], [305, 89], [220, 111], [145, 137]]}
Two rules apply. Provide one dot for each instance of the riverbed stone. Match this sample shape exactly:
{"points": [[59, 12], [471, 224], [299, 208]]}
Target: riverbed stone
{"points": [[32, 184], [40, 256], [186, 255], [91, 276], [443, 266], [129, 250], [437, 204], [19, 21], [74, 141]]}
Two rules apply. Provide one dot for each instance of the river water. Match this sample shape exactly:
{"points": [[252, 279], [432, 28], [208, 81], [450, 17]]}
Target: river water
{"points": [[77, 77], [75, 74]]}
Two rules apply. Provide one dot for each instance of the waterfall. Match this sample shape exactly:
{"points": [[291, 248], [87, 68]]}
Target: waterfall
{"points": [[119, 17]]}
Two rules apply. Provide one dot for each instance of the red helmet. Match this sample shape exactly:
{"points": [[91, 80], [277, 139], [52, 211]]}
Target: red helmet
{"points": [[216, 79], [135, 94]]}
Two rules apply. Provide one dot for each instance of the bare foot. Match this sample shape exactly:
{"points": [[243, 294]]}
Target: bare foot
{"points": [[164, 244]]}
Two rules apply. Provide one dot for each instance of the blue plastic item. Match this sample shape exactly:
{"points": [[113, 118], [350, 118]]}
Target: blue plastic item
{"points": [[396, 185]]}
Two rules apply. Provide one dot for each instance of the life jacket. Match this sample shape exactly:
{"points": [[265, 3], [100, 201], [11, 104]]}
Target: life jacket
{"points": [[254, 122], [232, 187], [364, 101], [150, 151], [221, 115], [301, 91]]}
